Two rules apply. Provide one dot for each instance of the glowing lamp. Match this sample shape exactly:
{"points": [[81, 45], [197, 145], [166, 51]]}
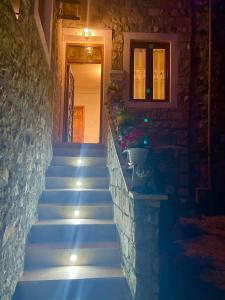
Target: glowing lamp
{"points": [[79, 161], [78, 183], [77, 213], [87, 32], [145, 142], [73, 258], [148, 91]]}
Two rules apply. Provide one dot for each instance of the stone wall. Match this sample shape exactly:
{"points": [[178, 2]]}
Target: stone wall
{"points": [[218, 104], [199, 95], [199, 114], [26, 101], [137, 219], [168, 127]]}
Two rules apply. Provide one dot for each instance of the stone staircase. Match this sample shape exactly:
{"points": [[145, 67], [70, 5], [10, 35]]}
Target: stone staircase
{"points": [[73, 251]]}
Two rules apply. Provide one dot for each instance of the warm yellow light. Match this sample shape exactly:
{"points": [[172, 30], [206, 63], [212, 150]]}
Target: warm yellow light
{"points": [[99, 70], [139, 73], [87, 32]]}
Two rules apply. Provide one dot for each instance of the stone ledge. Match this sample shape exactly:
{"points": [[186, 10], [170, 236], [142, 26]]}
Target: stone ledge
{"points": [[149, 197]]}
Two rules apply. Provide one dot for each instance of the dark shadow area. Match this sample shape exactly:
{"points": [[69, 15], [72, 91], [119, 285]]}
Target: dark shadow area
{"points": [[192, 259]]}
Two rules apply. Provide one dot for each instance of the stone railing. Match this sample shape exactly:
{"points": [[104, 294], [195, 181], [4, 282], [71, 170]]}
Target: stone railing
{"points": [[137, 219]]}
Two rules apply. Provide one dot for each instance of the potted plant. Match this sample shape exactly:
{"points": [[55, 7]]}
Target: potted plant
{"points": [[133, 142]]}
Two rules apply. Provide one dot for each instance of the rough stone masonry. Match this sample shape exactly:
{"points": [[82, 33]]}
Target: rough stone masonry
{"points": [[26, 106]]}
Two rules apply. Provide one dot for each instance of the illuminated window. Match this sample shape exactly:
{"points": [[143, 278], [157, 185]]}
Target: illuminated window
{"points": [[16, 7], [150, 71]]}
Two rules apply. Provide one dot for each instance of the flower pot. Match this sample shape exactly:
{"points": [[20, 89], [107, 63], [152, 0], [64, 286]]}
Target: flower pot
{"points": [[136, 156]]}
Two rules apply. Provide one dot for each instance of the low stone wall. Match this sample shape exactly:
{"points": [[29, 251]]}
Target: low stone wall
{"points": [[137, 219]]}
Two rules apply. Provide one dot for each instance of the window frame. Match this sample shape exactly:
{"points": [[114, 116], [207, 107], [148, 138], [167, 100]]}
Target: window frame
{"points": [[171, 39], [134, 44]]}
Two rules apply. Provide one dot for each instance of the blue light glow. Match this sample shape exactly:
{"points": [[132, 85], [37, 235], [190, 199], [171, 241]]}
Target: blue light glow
{"points": [[145, 142]]}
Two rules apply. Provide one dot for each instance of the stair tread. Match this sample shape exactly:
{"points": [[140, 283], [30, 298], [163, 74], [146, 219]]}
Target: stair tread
{"points": [[75, 222], [80, 246], [78, 167], [77, 171], [78, 177], [74, 152], [77, 190], [60, 160], [83, 205], [72, 273], [70, 182], [79, 145]]}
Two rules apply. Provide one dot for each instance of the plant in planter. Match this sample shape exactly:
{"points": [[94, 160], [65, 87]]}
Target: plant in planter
{"points": [[133, 142], [132, 137]]}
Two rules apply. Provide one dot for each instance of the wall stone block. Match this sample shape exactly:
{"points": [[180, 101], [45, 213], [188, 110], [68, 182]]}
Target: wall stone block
{"points": [[137, 220]]}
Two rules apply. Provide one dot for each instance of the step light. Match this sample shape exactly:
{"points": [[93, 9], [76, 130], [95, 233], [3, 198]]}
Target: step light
{"points": [[73, 258], [79, 161], [77, 213], [78, 183]]}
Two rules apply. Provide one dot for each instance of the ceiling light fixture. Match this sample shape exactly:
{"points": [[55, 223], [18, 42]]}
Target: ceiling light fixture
{"points": [[87, 32]]}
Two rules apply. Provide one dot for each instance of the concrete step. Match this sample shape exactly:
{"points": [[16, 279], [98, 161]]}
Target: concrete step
{"points": [[67, 211], [79, 146], [76, 182], [71, 171], [79, 152], [47, 255], [76, 197], [78, 161], [72, 282], [74, 231]]}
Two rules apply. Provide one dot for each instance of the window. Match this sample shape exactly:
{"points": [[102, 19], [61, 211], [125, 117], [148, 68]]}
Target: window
{"points": [[150, 63], [149, 71], [16, 7]]}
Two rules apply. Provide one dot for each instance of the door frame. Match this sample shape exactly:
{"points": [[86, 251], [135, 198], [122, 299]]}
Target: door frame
{"points": [[68, 62], [99, 36]]}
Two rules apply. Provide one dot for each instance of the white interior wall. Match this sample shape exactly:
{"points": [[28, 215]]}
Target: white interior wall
{"points": [[87, 93]]}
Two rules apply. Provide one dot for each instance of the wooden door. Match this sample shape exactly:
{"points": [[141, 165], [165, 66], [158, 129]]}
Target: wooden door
{"points": [[69, 106], [78, 124]]}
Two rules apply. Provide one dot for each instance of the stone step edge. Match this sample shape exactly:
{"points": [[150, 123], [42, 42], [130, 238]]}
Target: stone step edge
{"points": [[68, 246], [97, 271]]}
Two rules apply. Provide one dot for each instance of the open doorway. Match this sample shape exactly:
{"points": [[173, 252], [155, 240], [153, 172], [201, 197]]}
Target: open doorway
{"points": [[83, 94]]}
